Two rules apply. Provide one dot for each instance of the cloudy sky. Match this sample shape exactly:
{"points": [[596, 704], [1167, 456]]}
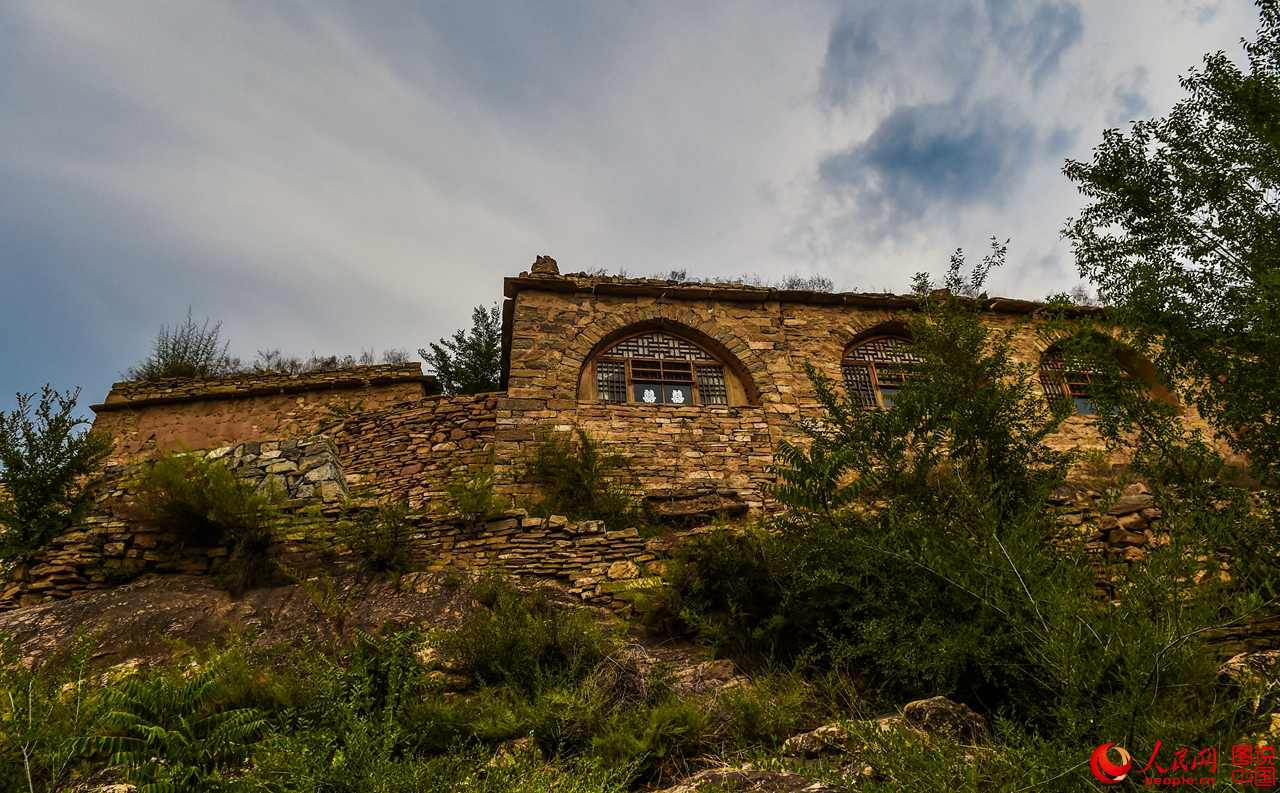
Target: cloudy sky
{"points": [[333, 177]]}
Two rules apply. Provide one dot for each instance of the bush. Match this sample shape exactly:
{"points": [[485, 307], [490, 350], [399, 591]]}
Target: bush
{"points": [[471, 494], [524, 639], [46, 464], [276, 361], [186, 350], [205, 504], [380, 537], [580, 480]]}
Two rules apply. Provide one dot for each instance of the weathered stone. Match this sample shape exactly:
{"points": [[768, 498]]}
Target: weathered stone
{"points": [[827, 739], [1130, 503], [941, 716], [747, 780], [623, 570]]}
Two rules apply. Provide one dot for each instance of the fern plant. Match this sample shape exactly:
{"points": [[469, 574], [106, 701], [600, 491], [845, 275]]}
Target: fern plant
{"points": [[168, 735]]}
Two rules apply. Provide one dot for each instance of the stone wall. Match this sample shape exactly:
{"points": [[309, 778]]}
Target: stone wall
{"points": [[148, 417], [114, 544], [768, 336], [409, 452]]}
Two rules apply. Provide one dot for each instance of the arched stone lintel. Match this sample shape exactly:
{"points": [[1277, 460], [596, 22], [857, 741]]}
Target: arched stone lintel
{"points": [[725, 345]]}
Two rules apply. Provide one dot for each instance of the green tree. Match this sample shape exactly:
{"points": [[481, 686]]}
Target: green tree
{"points": [[1181, 236], [471, 361], [46, 463]]}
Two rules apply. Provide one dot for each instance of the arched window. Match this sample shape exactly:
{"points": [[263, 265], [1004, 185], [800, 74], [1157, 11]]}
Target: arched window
{"points": [[1065, 377], [875, 368], [656, 368]]}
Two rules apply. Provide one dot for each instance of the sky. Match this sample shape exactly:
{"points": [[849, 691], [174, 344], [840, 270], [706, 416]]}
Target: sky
{"points": [[333, 177]]}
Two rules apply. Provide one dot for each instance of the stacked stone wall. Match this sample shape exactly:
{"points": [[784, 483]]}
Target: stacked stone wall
{"points": [[410, 452], [557, 323], [144, 418], [115, 544]]}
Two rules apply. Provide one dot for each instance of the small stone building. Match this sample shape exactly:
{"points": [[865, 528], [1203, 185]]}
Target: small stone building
{"points": [[695, 383]]}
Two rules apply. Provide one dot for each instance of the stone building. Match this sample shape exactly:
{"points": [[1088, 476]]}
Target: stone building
{"points": [[695, 383]]}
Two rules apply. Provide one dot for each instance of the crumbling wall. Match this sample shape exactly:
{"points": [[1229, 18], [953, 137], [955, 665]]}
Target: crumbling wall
{"points": [[114, 544], [144, 418]]}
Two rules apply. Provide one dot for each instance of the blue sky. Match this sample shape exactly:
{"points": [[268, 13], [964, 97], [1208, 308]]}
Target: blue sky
{"points": [[333, 177]]}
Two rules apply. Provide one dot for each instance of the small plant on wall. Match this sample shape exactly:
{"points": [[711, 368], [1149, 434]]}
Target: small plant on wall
{"points": [[581, 479], [471, 495], [379, 537], [205, 504]]}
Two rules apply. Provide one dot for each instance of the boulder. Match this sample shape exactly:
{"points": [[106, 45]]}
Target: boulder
{"points": [[827, 739], [941, 716], [706, 676]]}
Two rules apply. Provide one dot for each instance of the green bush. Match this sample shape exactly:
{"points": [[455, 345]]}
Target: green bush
{"points": [[525, 639], [471, 494], [205, 504], [186, 350], [380, 537], [578, 478], [46, 710], [46, 470]]}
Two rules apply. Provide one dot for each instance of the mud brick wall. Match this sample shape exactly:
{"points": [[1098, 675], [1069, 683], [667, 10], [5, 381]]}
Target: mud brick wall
{"points": [[148, 417], [409, 452]]}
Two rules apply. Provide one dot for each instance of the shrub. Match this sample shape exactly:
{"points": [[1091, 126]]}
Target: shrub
{"points": [[186, 350], [46, 709], [46, 465], [580, 480], [276, 361], [524, 639], [380, 537], [471, 494], [205, 504]]}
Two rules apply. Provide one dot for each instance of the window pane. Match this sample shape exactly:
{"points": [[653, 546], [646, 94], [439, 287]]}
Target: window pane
{"points": [[677, 395], [1084, 406], [711, 387], [857, 378], [611, 381], [647, 393], [887, 394]]}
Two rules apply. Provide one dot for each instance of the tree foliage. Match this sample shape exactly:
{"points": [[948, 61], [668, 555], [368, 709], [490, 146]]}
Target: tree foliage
{"points": [[46, 465], [1181, 236], [470, 362]]}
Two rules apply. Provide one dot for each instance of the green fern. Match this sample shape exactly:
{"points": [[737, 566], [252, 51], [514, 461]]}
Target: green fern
{"points": [[168, 734]]}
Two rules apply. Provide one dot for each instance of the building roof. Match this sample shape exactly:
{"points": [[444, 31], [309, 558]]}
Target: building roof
{"points": [[544, 278], [620, 286]]}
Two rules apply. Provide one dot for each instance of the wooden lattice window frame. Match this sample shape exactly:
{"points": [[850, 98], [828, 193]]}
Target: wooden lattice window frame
{"points": [[876, 367], [1066, 378], [659, 366]]}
